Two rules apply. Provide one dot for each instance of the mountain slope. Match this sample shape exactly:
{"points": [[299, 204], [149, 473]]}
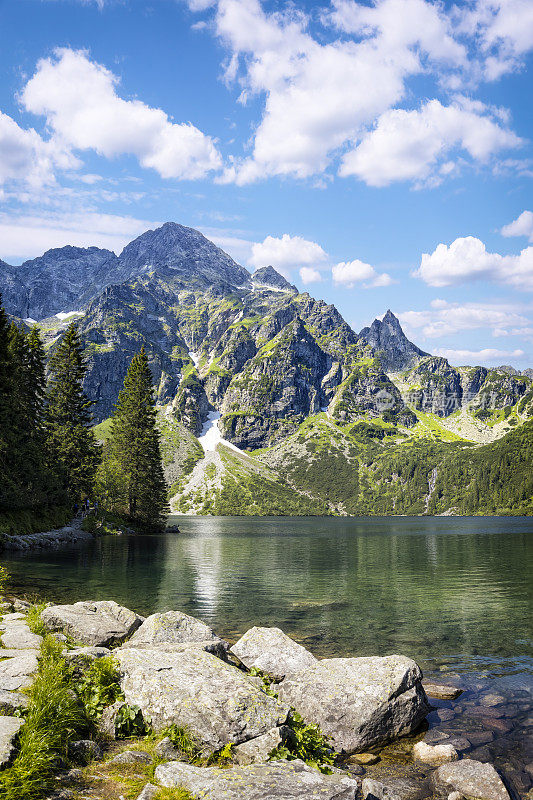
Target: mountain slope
{"points": [[328, 417]]}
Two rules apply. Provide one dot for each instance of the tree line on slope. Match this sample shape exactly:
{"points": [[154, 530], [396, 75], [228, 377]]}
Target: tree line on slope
{"points": [[50, 461]]}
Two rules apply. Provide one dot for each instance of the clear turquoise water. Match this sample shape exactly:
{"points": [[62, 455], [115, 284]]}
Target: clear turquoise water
{"points": [[455, 594], [446, 591]]}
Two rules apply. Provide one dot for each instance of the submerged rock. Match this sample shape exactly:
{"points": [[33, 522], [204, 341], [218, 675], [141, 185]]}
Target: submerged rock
{"points": [[96, 623], [272, 651], [441, 692], [359, 702], [471, 779], [171, 627], [196, 690], [439, 754], [276, 780], [393, 789], [9, 728]]}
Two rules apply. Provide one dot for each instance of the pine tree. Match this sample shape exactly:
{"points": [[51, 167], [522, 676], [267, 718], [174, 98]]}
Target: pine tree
{"points": [[134, 448], [6, 409], [71, 441]]}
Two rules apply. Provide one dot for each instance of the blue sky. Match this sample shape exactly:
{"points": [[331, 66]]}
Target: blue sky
{"points": [[379, 154]]}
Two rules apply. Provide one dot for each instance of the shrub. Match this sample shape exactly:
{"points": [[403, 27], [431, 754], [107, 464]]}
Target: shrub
{"points": [[309, 744], [130, 722], [4, 577], [98, 687]]}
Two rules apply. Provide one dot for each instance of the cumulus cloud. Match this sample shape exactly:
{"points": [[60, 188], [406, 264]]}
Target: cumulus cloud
{"points": [[310, 275], [28, 236], [503, 31], [415, 145], [468, 259], [286, 252], [483, 357], [26, 156], [445, 319], [348, 273], [79, 99], [521, 226]]}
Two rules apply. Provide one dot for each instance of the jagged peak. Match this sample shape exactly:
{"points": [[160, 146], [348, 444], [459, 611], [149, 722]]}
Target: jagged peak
{"points": [[270, 278], [386, 335]]}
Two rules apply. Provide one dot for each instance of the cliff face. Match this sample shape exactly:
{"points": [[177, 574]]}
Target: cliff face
{"points": [[251, 347]]}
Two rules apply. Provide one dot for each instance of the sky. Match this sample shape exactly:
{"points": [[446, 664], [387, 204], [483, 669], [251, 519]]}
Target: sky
{"points": [[377, 153]]}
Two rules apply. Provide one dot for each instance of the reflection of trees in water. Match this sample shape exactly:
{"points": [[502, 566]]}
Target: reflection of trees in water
{"points": [[340, 586]]}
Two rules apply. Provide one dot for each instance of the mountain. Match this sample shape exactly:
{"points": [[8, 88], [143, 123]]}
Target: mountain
{"points": [[269, 401], [387, 338]]}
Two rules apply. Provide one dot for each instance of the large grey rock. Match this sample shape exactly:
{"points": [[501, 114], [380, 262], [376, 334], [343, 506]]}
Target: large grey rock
{"points": [[196, 690], [100, 624], [257, 751], [132, 757], [171, 627], [218, 647], [16, 673], [16, 635], [149, 792], [84, 751], [81, 657], [272, 651], [359, 702], [24, 651], [276, 780], [472, 779], [9, 728], [11, 701]]}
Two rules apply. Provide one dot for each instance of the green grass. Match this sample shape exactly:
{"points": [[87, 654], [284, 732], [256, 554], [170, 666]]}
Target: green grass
{"points": [[102, 431], [53, 718], [33, 619]]}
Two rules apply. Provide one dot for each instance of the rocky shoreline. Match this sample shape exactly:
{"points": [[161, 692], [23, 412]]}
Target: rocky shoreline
{"points": [[263, 703]]}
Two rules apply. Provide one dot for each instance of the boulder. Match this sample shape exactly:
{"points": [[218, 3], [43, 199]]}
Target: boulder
{"points": [[11, 701], [171, 627], [441, 692], [82, 656], [218, 647], [193, 689], [149, 792], [439, 754], [359, 702], [132, 757], [167, 750], [98, 624], [257, 751], [84, 751], [16, 673], [12, 653], [272, 651], [276, 780], [395, 788], [17, 636], [106, 723], [9, 728], [472, 779]]}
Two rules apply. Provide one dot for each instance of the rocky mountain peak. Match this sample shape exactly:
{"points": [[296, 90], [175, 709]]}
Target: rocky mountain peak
{"points": [[387, 338], [269, 278], [184, 250]]}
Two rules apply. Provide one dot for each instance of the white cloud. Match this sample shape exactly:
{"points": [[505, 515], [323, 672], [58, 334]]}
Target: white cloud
{"points": [[286, 252], [319, 96], [445, 319], [26, 156], [412, 145], [348, 273], [467, 259], [521, 226], [310, 275], [503, 30], [482, 357], [78, 97], [28, 236]]}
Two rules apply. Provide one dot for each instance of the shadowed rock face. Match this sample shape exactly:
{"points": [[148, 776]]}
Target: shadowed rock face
{"points": [[277, 780], [358, 702], [216, 702]]}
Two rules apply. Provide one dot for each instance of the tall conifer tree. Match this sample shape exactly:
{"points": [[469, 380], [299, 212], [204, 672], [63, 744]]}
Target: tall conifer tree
{"points": [[71, 441], [6, 407], [135, 446]]}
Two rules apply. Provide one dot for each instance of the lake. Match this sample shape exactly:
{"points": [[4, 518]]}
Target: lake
{"points": [[455, 594]]}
